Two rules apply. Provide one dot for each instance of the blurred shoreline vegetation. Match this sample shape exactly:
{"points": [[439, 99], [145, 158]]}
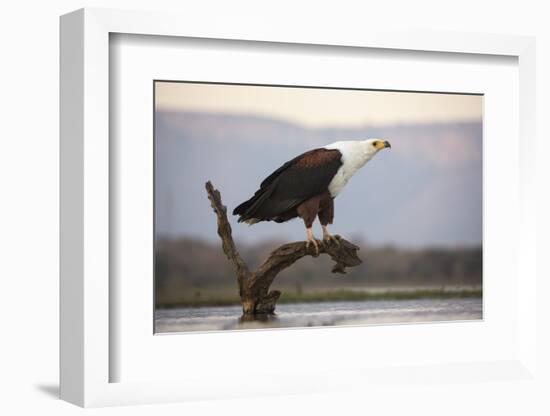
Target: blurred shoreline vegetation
{"points": [[195, 272]]}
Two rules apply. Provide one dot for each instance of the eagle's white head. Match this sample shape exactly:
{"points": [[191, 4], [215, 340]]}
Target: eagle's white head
{"points": [[355, 153], [373, 146]]}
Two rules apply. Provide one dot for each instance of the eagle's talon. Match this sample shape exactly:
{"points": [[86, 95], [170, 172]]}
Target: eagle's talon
{"points": [[329, 239], [315, 244], [312, 240]]}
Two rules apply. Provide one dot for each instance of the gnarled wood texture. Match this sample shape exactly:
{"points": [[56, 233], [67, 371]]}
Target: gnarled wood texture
{"points": [[256, 298]]}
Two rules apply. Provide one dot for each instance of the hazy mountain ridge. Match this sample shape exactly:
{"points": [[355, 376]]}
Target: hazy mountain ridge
{"points": [[425, 191]]}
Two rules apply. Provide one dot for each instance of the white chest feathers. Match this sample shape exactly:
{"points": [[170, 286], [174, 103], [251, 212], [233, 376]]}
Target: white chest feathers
{"points": [[354, 156]]}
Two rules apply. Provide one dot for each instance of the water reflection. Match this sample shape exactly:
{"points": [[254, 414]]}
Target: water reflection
{"points": [[320, 314]]}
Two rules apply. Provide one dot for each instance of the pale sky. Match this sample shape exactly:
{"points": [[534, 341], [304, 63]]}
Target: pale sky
{"points": [[313, 107]]}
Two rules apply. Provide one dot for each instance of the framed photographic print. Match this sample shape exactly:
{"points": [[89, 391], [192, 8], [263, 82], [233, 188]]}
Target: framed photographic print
{"points": [[420, 234], [267, 196]]}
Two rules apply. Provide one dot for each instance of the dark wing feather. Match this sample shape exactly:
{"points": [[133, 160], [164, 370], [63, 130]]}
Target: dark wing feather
{"points": [[293, 183], [269, 180]]}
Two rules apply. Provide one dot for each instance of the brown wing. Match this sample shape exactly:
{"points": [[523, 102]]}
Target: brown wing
{"points": [[294, 182]]}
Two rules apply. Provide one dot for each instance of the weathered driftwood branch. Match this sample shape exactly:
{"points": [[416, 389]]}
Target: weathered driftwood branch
{"points": [[254, 286]]}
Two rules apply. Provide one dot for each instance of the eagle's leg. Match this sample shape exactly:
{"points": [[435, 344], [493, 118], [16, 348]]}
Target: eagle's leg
{"points": [[307, 211], [326, 215], [311, 240]]}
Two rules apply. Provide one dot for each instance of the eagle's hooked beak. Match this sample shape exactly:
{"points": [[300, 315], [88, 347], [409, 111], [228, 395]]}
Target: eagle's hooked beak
{"points": [[380, 144]]}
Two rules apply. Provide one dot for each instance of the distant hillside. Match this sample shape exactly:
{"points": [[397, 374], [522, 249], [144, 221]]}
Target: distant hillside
{"points": [[427, 190]]}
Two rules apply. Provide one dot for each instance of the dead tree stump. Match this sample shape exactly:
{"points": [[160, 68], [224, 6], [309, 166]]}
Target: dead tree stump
{"points": [[256, 298]]}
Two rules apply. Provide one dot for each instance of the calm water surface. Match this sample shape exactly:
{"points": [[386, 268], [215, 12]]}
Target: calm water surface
{"points": [[321, 314]]}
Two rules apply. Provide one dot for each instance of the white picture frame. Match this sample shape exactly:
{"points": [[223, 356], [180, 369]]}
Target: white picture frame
{"points": [[86, 331]]}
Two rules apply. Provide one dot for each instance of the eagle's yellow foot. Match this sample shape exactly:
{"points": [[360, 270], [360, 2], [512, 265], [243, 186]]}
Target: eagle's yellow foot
{"points": [[328, 238], [315, 244], [311, 240]]}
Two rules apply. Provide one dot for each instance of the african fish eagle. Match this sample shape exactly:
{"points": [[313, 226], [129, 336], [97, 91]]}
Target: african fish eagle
{"points": [[306, 186]]}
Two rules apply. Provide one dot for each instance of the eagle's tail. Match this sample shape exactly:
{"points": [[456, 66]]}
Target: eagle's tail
{"points": [[249, 211]]}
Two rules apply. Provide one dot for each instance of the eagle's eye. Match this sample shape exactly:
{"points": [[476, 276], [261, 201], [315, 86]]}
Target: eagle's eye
{"points": [[374, 144]]}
